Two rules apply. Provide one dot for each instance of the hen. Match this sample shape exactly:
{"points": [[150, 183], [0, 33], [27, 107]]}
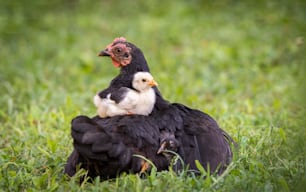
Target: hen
{"points": [[139, 100], [105, 146]]}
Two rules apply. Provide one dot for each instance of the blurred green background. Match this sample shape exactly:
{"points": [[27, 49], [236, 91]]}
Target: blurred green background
{"points": [[241, 62]]}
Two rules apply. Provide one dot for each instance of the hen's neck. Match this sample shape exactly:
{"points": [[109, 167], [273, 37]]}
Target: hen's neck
{"points": [[138, 63]]}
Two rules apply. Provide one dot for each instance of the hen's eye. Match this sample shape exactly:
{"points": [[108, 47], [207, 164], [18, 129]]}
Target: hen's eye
{"points": [[118, 50], [144, 80]]}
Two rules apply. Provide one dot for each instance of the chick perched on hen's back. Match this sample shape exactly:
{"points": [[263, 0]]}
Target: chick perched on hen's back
{"points": [[139, 100]]}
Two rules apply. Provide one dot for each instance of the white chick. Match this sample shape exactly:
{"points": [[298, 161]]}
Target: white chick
{"points": [[126, 101]]}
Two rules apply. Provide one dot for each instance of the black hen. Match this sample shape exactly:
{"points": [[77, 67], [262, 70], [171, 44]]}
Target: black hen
{"points": [[105, 146]]}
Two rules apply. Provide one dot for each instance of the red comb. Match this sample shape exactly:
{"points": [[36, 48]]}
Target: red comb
{"points": [[119, 39]]}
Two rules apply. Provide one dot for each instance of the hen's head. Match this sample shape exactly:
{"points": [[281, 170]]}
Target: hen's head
{"points": [[125, 55]]}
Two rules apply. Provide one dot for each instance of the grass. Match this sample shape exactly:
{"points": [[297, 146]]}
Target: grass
{"points": [[243, 63]]}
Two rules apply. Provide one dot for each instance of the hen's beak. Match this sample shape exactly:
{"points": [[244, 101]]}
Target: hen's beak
{"points": [[162, 148], [104, 53], [152, 83]]}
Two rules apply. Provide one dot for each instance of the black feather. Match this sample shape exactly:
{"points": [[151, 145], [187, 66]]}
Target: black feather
{"points": [[119, 94]]}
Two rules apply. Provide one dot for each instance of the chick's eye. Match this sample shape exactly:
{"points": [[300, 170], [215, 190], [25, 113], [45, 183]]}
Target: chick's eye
{"points": [[144, 80]]}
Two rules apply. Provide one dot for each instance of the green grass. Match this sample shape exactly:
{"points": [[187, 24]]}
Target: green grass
{"points": [[243, 63]]}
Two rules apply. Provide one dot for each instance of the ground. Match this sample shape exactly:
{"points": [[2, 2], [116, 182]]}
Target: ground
{"points": [[241, 62]]}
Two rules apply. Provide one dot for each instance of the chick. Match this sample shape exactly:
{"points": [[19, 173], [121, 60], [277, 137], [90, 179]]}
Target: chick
{"points": [[138, 100]]}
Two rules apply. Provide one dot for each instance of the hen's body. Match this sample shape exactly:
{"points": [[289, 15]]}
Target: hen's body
{"points": [[105, 147]]}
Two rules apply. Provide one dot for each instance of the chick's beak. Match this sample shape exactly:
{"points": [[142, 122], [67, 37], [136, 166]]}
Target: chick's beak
{"points": [[104, 53], [152, 83]]}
